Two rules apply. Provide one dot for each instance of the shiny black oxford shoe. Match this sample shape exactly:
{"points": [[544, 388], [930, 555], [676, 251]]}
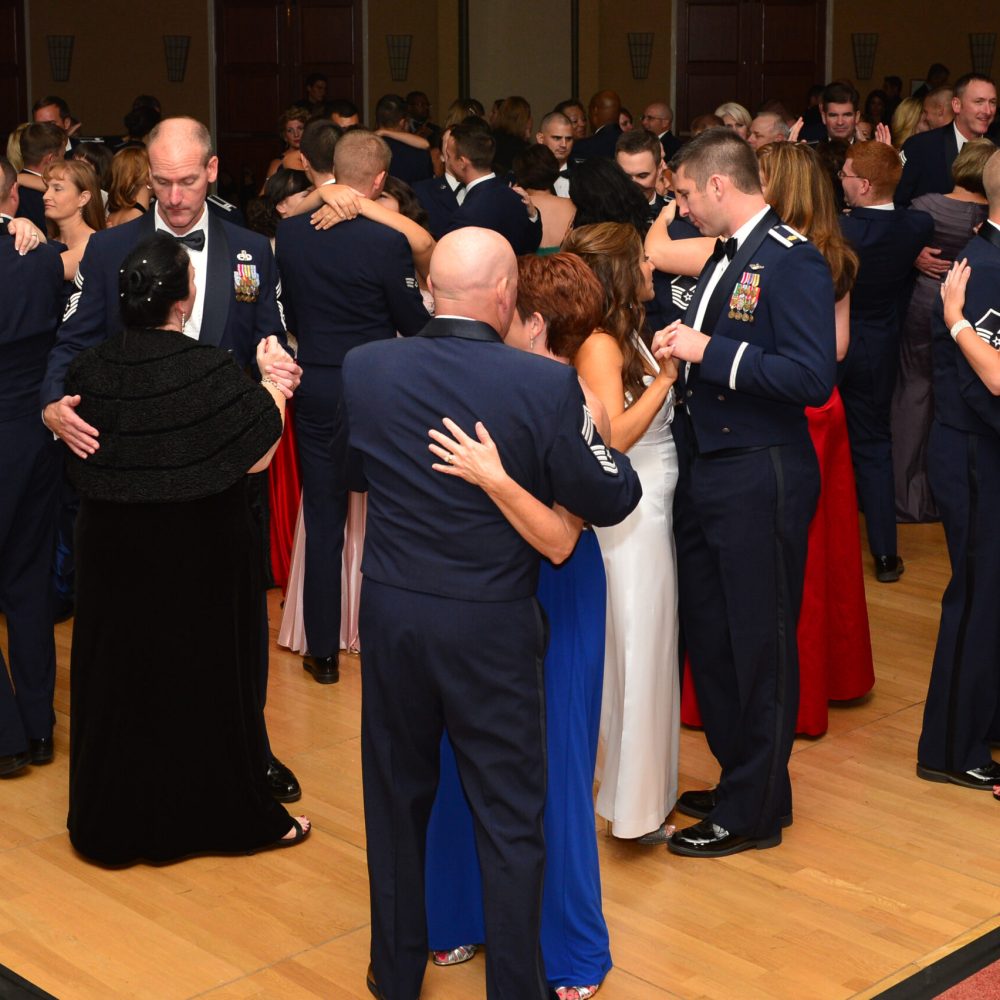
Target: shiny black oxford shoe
{"points": [[888, 569], [11, 763], [42, 751], [324, 669], [978, 777], [700, 802], [281, 783], [708, 840]]}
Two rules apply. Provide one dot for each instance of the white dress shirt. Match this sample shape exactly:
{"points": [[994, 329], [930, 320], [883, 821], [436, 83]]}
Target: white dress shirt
{"points": [[199, 258]]}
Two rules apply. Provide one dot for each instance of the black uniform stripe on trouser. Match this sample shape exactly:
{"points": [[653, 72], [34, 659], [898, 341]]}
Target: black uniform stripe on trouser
{"points": [[544, 631], [970, 582], [782, 604]]}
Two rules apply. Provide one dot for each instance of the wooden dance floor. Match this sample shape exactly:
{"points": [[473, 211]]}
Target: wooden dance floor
{"points": [[881, 874]]}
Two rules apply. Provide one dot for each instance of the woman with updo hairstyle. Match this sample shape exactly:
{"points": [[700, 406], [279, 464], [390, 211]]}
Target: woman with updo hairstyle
{"points": [[603, 192], [129, 194], [536, 170], [559, 304], [74, 209], [640, 716], [291, 125], [166, 641]]}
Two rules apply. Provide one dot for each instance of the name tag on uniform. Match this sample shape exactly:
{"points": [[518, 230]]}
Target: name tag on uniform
{"points": [[247, 282]]}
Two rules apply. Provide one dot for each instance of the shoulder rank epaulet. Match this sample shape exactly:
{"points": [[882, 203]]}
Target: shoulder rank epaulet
{"points": [[787, 236], [226, 206]]}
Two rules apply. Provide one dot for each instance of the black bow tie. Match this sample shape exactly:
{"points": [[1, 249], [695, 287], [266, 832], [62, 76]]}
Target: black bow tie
{"points": [[724, 247], [193, 241]]}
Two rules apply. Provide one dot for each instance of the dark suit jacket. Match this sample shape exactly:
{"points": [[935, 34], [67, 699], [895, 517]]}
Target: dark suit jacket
{"points": [[438, 201], [433, 533], [961, 400], [28, 322], [491, 204], [93, 312], [887, 243], [781, 361], [409, 164], [31, 207], [670, 144], [927, 160], [345, 286], [601, 143]]}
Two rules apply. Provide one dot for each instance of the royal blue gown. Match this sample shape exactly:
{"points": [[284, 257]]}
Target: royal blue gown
{"points": [[574, 934]]}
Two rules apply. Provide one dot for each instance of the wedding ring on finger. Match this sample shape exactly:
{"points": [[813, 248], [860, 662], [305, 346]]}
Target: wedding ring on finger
{"points": [[450, 458]]}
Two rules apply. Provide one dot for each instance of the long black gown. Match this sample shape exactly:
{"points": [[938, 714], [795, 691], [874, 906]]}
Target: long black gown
{"points": [[166, 748]]}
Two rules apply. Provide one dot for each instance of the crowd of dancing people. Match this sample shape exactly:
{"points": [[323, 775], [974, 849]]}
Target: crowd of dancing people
{"points": [[566, 429]]}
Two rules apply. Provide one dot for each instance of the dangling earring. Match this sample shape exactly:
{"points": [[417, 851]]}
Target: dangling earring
{"points": [[184, 320], [531, 342]]}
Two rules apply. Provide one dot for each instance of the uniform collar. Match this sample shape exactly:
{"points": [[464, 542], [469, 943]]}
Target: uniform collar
{"points": [[460, 326]]}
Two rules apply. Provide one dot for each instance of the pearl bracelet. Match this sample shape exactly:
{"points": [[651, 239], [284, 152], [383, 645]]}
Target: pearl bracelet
{"points": [[267, 380], [959, 327]]}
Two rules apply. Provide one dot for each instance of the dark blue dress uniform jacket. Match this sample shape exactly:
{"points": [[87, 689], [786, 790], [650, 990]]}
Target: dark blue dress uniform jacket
{"points": [[491, 204], [94, 310], [927, 160], [434, 534], [439, 202]]}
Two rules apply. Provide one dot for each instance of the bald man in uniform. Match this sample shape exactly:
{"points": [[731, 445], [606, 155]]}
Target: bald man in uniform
{"points": [[451, 632], [603, 113]]}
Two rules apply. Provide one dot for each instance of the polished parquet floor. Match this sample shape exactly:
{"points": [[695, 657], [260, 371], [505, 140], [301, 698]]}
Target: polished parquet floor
{"points": [[881, 874]]}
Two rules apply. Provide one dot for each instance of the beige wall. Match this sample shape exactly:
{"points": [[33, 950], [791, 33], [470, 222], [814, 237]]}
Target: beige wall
{"points": [[118, 55], [518, 46], [909, 42]]}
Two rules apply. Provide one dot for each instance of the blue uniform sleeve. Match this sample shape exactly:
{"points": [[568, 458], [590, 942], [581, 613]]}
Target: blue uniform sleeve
{"points": [[906, 189], [269, 314], [84, 325], [587, 477], [402, 292], [982, 309], [802, 367]]}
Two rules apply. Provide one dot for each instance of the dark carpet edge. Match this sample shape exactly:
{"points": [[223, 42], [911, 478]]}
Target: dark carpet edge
{"points": [[15, 987], [948, 971]]}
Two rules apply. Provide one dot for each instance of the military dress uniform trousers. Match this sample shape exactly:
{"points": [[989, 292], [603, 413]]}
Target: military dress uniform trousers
{"points": [[30, 469], [322, 445], [476, 668], [741, 522], [960, 715]]}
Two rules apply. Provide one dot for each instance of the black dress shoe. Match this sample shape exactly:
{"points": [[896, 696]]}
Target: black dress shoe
{"points": [[699, 803], [888, 569], [11, 763], [978, 777], [42, 751], [706, 840], [283, 785], [323, 668]]}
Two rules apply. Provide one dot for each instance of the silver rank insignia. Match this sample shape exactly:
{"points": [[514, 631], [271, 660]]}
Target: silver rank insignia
{"points": [[244, 256], [597, 447], [412, 283]]}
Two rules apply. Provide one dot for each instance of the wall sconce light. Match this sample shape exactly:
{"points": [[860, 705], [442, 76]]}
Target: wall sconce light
{"points": [[640, 53], [60, 56], [864, 44], [399, 55], [982, 44], [175, 50]]}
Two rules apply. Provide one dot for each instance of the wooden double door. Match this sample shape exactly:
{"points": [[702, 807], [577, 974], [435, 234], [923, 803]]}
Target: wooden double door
{"points": [[265, 49], [749, 51]]}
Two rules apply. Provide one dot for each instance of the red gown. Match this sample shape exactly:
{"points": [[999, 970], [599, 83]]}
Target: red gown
{"points": [[835, 648], [285, 491]]}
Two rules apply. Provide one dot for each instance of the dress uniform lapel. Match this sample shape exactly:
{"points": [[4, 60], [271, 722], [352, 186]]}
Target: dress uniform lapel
{"points": [[467, 329], [218, 282], [724, 287], [950, 146], [990, 233]]}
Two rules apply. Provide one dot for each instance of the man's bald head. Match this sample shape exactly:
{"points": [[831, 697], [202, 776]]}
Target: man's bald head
{"points": [[604, 108], [991, 184], [473, 273], [178, 132]]}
